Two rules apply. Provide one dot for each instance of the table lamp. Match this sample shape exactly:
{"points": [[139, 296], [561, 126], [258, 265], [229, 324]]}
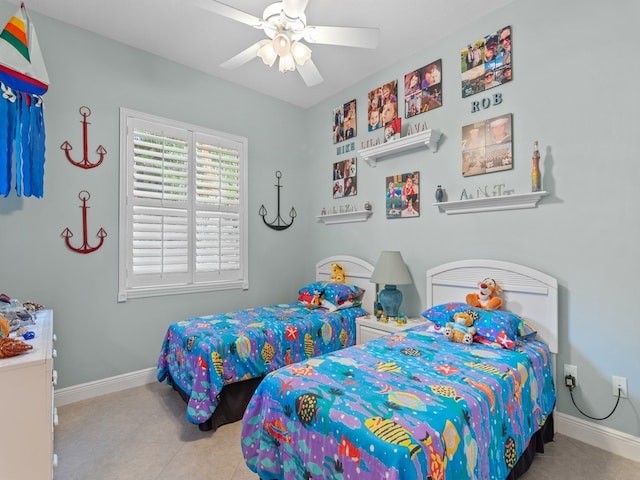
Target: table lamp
{"points": [[391, 270]]}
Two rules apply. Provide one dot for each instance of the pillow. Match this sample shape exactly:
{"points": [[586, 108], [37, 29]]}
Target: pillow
{"points": [[335, 292], [342, 292], [497, 326], [332, 307], [443, 313], [333, 296], [527, 331], [309, 289]]}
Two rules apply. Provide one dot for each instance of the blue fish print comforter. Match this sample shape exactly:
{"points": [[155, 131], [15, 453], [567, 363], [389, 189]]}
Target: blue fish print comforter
{"points": [[405, 406], [204, 354]]}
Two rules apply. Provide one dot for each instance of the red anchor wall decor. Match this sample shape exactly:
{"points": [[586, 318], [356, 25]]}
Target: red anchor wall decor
{"points": [[85, 248], [66, 146]]}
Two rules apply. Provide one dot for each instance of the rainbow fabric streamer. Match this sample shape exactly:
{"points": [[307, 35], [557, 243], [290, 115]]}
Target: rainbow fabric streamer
{"points": [[23, 79]]}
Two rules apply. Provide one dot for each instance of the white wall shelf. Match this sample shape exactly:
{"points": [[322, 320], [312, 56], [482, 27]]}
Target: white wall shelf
{"points": [[492, 204], [329, 219], [427, 138]]}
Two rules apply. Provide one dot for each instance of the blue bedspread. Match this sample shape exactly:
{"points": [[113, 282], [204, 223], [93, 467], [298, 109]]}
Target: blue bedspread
{"points": [[204, 354], [407, 406]]}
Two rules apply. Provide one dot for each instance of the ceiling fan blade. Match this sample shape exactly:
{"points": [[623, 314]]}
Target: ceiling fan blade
{"points": [[346, 36], [243, 57], [229, 12], [294, 8], [310, 73]]}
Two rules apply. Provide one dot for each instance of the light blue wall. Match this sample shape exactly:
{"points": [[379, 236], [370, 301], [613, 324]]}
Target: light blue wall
{"points": [[575, 70], [575, 90], [98, 337]]}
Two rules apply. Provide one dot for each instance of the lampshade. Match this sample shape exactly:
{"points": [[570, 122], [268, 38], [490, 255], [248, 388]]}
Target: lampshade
{"points": [[301, 53], [281, 44], [267, 53], [391, 270], [286, 63]]}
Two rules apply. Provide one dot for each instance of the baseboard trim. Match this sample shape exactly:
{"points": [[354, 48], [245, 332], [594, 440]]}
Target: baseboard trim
{"points": [[608, 439], [65, 396]]}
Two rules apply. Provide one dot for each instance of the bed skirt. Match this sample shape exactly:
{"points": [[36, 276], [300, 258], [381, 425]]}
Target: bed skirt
{"points": [[536, 445], [234, 399]]}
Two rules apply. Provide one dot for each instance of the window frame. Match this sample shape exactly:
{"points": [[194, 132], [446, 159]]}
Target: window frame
{"points": [[128, 286]]}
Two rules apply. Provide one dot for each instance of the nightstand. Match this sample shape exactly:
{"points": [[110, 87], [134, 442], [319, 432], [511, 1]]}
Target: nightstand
{"points": [[369, 327]]}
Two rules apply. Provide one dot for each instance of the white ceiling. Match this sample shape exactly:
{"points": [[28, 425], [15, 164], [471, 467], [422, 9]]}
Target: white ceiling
{"points": [[180, 31]]}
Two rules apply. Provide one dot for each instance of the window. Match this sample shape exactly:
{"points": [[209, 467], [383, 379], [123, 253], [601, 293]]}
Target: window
{"points": [[183, 225]]}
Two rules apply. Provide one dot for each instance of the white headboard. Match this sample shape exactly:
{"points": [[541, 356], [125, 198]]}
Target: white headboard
{"points": [[357, 272], [529, 293]]}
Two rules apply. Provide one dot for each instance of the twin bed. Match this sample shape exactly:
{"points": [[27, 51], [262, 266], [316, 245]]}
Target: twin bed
{"points": [[215, 362], [404, 406], [413, 404]]}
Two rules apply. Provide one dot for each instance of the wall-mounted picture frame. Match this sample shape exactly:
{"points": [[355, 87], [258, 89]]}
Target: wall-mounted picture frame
{"points": [[423, 89], [345, 178], [382, 105], [402, 193], [344, 122], [486, 62], [487, 146]]}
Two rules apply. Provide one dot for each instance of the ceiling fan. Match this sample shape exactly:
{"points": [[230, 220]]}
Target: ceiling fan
{"points": [[285, 23]]}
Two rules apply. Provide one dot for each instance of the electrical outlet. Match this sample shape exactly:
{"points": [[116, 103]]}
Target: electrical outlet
{"points": [[573, 371], [620, 383]]}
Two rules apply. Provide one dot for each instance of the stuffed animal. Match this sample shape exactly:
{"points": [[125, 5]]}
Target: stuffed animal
{"points": [[337, 273], [487, 295], [461, 330], [5, 327], [315, 301]]}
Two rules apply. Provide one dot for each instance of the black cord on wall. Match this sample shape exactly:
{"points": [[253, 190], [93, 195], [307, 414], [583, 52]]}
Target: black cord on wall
{"points": [[570, 383]]}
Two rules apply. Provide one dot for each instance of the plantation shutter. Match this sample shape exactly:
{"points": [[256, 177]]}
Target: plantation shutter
{"points": [[184, 208], [218, 241]]}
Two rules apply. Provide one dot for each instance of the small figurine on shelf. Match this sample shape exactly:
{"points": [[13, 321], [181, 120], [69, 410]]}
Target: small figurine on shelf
{"points": [[536, 177], [324, 211], [439, 194], [367, 206], [401, 320]]}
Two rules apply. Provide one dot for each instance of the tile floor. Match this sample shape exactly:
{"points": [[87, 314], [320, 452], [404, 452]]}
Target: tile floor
{"points": [[142, 434]]}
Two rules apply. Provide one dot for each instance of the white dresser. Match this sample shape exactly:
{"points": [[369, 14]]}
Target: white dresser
{"points": [[369, 327], [27, 409]]}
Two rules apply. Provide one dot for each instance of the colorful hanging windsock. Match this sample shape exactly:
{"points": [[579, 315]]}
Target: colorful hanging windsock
{"points": [[23, 79]]}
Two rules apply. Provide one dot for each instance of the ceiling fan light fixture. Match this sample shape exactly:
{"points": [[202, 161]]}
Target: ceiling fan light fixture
{"points": [[301, 53], [286, 63], [267, 53]]}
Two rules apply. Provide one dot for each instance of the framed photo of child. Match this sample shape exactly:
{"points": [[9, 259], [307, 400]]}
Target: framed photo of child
{"points": [[345, 178], [402, 193], [382, 106], [344, 122], [423, 89]]}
